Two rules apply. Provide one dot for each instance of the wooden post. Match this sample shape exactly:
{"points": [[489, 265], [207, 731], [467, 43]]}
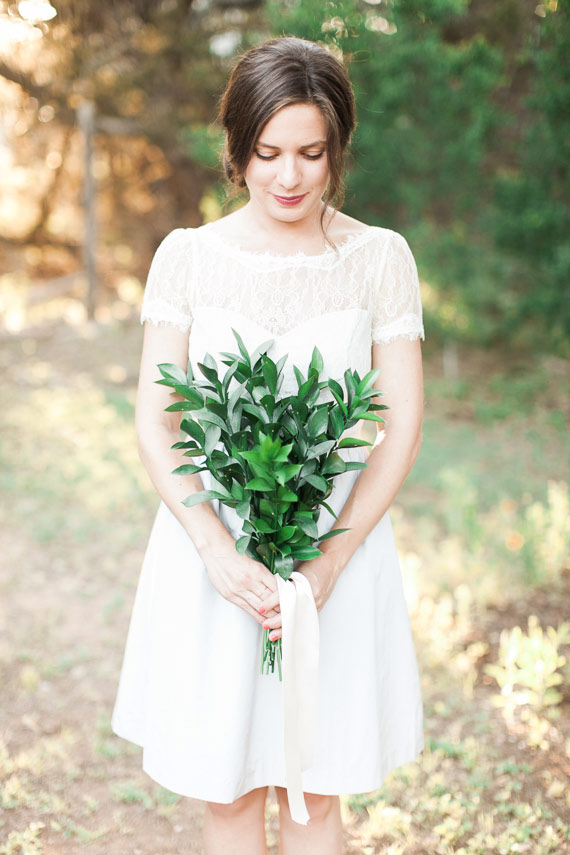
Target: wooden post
{"points": [[86, 119]]}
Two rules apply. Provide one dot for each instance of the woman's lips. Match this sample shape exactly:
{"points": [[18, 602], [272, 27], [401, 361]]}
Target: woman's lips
{"points": [[289, 200]]}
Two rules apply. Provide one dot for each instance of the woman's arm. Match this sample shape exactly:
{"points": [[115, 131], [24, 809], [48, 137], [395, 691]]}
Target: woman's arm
{"points": [[389, 462], [238, 578]]}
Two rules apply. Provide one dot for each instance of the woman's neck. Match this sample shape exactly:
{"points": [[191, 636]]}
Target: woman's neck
{"points": [[273, 235]]}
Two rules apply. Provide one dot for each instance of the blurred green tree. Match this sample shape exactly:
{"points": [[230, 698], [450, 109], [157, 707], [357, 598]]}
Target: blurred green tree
{"points": [[446, 148], [531, 216]]}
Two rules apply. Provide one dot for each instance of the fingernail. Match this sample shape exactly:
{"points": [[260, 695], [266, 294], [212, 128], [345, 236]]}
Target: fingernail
{"points": [[262, 610], [265, 626], [273, 637]]}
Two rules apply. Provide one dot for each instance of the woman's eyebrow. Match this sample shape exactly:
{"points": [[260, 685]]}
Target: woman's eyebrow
{"points": [[308, 145]]}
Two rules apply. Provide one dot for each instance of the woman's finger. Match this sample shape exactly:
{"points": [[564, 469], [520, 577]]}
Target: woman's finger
{"points": [[270, 601], [249, 609], [268, 579], [273, 622]]}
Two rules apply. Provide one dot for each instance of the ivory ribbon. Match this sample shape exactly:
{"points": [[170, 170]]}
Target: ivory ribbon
{"points": [[300, 662]]}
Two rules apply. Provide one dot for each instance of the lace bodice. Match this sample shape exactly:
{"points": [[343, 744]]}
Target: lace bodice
{"points": [[341, 301], [373, 270]]}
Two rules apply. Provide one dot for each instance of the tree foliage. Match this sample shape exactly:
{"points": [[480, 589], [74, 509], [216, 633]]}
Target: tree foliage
{"points": [[463, 144], [462, 141]]}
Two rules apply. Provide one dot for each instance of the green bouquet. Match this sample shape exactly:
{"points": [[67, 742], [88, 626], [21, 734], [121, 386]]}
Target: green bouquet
{"points": [[272, 459]]}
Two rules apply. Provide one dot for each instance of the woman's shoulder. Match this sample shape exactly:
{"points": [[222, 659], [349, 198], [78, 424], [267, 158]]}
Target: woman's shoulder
{"points": [[176, 240], [344, 227]]}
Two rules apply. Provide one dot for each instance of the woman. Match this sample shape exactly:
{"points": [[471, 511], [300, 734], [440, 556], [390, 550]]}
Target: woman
{"points": [[287, 266]]}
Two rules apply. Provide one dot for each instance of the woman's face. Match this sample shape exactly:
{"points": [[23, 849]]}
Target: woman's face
{"points": [[288, 171]]}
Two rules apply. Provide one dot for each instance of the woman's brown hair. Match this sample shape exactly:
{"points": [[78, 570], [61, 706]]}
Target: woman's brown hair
{"points": [[273, 75]]}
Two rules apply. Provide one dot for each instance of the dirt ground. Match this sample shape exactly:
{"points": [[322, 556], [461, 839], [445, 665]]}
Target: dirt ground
{"points": [[76, 513]]}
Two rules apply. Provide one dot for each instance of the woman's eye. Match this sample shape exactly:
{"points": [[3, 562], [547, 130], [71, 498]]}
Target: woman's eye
{"points": [[273, 156]]}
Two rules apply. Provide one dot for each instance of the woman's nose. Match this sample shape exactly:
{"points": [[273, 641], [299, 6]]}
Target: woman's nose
{"points": [[288, 174]]}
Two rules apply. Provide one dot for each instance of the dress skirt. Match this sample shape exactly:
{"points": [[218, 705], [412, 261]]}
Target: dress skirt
{"points": [[210, 724]]}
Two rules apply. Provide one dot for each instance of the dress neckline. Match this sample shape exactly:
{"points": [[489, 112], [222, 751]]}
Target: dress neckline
{"points": [[234, 247]]}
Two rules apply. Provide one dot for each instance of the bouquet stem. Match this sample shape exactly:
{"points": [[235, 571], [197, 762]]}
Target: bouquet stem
{"points": [[270, 654]]}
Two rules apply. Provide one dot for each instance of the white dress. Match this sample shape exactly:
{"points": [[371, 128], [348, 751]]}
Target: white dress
{"points": [[190, 689]]}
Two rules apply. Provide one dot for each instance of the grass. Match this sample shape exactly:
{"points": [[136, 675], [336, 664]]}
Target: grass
{"points": [[482, 529]]}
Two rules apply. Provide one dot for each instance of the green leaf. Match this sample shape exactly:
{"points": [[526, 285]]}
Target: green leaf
{"points": [[229, 358], [235, 419], [242, 348], [305, 389], [198, 498], [354, 464], [368, 381], [289, 423], [242, 509], [333, 465], [264, 526], [317, 481], [237, 491], [329, 509], [228, 376], [260, 349], [179, 407], [283, 565], [242, 543], [193, 429], [268, 402], [309, 467], [213, 434], [334, 533], [265, 552], [285, 495], [222, 491], [305, 553], [174, 372], [353, 442], [270, 374], [206, 416], [317, 363], [209, 373], [188, 469], [318, 421], [309, 527], [280, 363], [257, 412], [372, 417], [285, 473], [282, 455], [336, 389], [321, 448], [350, 386], [260, 484], [298, 376], [285, 533], [337, 422], [216, 407]]}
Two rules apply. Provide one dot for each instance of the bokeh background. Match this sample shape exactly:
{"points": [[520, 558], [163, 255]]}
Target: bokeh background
{"points": [[108, 140]]}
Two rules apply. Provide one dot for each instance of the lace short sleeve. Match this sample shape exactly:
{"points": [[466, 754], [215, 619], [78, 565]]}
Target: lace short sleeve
{"points": [[167, 293], [396, 302]]}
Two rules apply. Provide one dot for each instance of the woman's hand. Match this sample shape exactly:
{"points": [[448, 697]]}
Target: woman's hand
{"points": [[322, 580], [240, 580]]}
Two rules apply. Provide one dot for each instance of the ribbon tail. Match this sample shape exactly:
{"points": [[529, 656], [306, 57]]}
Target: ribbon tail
{"points": [[300, 643]]}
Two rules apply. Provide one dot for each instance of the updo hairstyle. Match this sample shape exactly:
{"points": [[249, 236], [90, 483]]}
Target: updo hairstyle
{"points": [[273, 75]]}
